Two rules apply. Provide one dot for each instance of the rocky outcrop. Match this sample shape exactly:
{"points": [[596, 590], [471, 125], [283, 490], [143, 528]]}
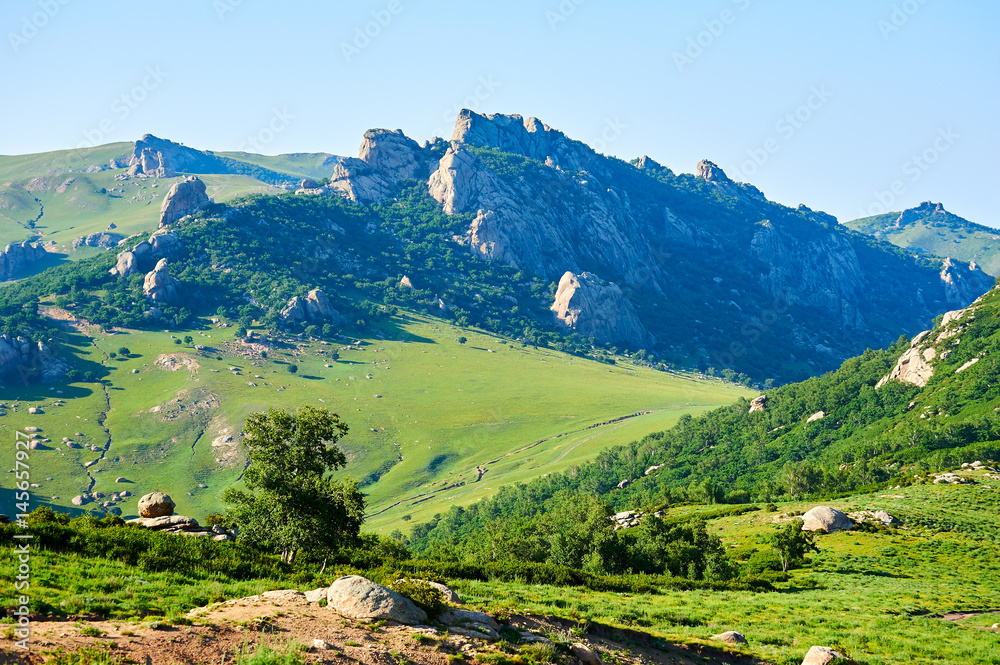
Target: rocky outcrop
{"points": [[826, 519], [962, 283], [921, 212], [28, 362], [17, 257], [156, 504], [360, 598], [314, 307], [393, 154], [912, 367], [359, 182], [757, 403], [590, 306], [162, 244], [471, 624], [159, 285], [713, 175], [102, 240], [185, 198], [877, 517], [525, 136], [146, 161]]}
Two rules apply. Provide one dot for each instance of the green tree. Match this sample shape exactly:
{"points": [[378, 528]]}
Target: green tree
{"points": [[792, 543], [290, 502], [188, 339], [462, 340], [124, 351], [292, 369]]}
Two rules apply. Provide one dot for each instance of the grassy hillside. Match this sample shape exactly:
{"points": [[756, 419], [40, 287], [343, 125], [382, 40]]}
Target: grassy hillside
{"points": [[933, 230], [433, 412], [314, 165], [879, 595]]}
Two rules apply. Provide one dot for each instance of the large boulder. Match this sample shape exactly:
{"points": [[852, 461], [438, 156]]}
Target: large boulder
{"points": [[730, 637], [156, 504], [161, 244], [826, 519], [149, 162], [825, 656], [588, 305], [360, 598], [17, 257], [178, 522], [27, 361], [471, 624], [159, 285], [185, 198]]}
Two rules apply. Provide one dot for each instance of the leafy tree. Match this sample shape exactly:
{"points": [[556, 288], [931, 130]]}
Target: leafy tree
{"points": [[290, 502], [462, 340], [292, 369], [177, 341], [792, 543], [188, 339], [124, 351]]}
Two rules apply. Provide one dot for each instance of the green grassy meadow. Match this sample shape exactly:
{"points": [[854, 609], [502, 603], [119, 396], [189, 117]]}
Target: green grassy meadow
{"points": [[431, 414]]}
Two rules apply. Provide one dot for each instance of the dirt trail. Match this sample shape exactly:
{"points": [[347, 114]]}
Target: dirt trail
{"points": [[219, 631]]}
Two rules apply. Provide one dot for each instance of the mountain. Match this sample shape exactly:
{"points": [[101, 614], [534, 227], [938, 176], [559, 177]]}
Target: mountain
{"points": [[932, 230], [717, 274]]}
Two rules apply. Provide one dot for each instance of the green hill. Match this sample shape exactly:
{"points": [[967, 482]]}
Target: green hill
{"points": [[930, 229]]}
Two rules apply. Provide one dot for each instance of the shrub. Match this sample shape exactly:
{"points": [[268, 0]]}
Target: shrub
{"points": [[422, 594]]}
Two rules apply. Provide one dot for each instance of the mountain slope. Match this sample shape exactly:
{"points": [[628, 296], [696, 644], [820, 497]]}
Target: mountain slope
{"points": [[930, 229]]}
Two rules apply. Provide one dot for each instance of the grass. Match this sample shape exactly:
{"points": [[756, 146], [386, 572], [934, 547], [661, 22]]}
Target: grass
{"points": [[445, 410]]}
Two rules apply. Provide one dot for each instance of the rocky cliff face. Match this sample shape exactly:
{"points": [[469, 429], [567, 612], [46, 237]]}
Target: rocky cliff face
{"points": [[588, 305], [185, 198], [28, 362], [737, 267], [16, 257], [314, 307], [162, 244]]}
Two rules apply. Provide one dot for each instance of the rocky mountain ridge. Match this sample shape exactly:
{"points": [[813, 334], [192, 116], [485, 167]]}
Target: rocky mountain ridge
{"points": [[550, 205]]}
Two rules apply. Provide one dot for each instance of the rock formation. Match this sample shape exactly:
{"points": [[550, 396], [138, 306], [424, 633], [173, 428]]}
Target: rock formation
{"points": [[148, 162], [27, 361], [156, 504], [159, 285], [102, 240], [713, 175], [825, 656], [162, 244], [17, 257], [757, 403], [590, 306], [314, 307], [730, 637], [360, 598], [185, 198], [826, 519]]}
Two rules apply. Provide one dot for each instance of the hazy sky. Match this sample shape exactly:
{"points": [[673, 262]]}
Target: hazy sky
{"points": [[845, 106]]}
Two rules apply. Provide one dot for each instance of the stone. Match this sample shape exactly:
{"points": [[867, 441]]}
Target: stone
{"points": [[819, 415], [284, 594], [159, 285], [360, 598], [405, 283], [121, 479], [588, 305], [320, 645], [316, 595], [826, 519], [179, 522], [715, 176], [102, 240], [449, 595], [78, 500], [471, 619], [185, 198], [314, 307], [950, 479], [584, 654], [730, 637], [156, 504], [873, 516], [824, 656], [17, 257], [757, 403]]}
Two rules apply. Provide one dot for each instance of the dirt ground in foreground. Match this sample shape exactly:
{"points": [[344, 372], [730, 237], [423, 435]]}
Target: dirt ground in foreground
{"points": [[220, 631]]}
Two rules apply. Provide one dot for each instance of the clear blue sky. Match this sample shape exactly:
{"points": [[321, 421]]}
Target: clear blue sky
{"points": [[587, 67]]}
